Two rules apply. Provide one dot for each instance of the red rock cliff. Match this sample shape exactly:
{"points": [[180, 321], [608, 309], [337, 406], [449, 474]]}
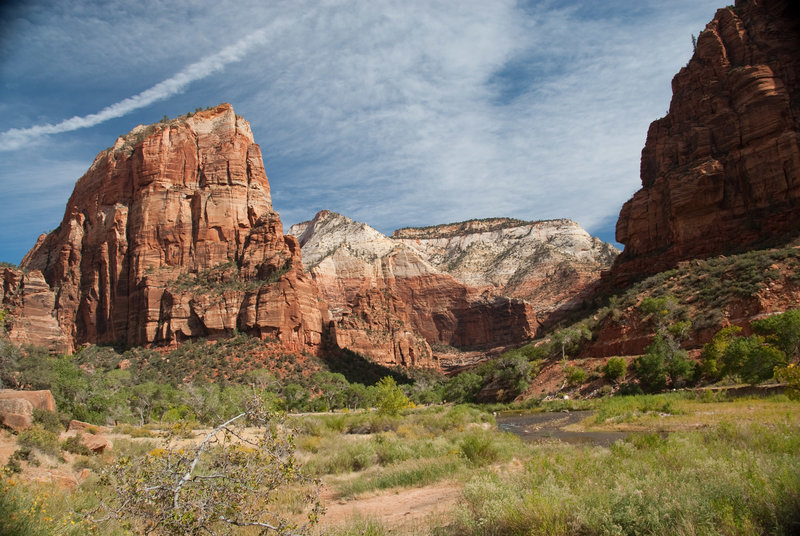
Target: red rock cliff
{"points": [[721, 172], [171, 234]]}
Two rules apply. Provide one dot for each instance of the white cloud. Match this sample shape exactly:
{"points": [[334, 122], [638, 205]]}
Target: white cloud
{"points": [[392, 113], [18, 137]]}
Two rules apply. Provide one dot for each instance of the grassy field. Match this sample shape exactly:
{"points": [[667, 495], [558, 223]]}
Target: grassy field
{"points": [[692, 465]]}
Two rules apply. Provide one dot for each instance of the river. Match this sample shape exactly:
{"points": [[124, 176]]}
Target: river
{"points": [[551, 426]]}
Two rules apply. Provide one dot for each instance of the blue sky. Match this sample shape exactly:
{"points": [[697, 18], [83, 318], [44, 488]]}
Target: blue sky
{"points": [[392, 113]]}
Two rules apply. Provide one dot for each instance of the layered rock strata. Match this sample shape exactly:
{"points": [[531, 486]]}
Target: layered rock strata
{"points": [[552, 264], [32, 302], [388, 302], [171, 234], [721, 172]]}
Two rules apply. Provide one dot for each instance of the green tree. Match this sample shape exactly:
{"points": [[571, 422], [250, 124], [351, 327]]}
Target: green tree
{"points": [[9, 358], [462, 387], [782, 331], [569, 339], [296, 396], [715, 349], [663, 361], [357, 395], [333, 386], [790, 375], [389, 398], [751, 359]]}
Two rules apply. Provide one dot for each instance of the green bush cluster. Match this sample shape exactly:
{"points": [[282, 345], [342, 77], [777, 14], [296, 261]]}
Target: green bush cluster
{"points": [[757, 357], [37, 437]]}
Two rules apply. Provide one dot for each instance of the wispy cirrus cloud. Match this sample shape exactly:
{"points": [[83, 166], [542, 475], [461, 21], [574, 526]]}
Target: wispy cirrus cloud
{"points": [[395, 114], [17, 137]]}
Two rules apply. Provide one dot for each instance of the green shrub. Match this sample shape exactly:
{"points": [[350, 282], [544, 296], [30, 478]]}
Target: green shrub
{"points": [[615, 368], [19, 515], [73, 444], [50, 420], [41, 439], [23, 453], [574, 375], [478, 448]]}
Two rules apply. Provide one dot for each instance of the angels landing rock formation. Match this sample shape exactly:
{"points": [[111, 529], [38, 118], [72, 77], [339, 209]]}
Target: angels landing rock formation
{"points": [[721, 172], [389, 303], [169, 235]]}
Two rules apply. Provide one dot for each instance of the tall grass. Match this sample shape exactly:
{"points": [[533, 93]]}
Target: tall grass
{"points": [[732, 479]]}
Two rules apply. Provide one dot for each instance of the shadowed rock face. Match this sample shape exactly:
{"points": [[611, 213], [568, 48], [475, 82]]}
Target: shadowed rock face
{"points": [[721, 172], [171, 234]]}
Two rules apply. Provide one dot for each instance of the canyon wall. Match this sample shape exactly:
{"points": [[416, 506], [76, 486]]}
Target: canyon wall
{"points": [[552, 264], [393, 305], [721, 171]]}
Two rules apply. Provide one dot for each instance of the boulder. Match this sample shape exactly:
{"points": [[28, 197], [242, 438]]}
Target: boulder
{"points": [[16, 413], [42, 400], [85, 427]]}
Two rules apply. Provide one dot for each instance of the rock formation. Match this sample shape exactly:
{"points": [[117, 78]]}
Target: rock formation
{"points": [[16, 414], [551, 264], [388, 302], [169, 235], [721, 172], [16, 407], [42, 399], [33, 302]]}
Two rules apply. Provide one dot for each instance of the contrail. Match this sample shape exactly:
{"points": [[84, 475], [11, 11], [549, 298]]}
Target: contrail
{"points": [[17, 137]]}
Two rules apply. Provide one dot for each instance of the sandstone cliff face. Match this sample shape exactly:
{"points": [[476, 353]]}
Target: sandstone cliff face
{"points": [[391, 304], [721, 172], [32, 302], [551, 264], [171, 234]]}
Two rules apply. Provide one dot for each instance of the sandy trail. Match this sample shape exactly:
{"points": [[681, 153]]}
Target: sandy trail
{"points": [[395, 509]]}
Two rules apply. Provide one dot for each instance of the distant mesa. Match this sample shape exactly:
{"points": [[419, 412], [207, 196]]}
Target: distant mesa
{"points": [[425, 294]]}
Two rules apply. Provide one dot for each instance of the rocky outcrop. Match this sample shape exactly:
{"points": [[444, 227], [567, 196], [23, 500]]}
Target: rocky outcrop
{"points": [[551, 264], [42, 399], [721, 172], [16, 414], [32, 302], [89, 435], [388, 302], [170, 235]]}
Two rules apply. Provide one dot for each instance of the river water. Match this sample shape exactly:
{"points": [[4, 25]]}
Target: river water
{"points": [[550, 426]]}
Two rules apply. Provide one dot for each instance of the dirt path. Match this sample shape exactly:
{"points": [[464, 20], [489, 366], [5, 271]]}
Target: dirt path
{"points": [[395, 509]]}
